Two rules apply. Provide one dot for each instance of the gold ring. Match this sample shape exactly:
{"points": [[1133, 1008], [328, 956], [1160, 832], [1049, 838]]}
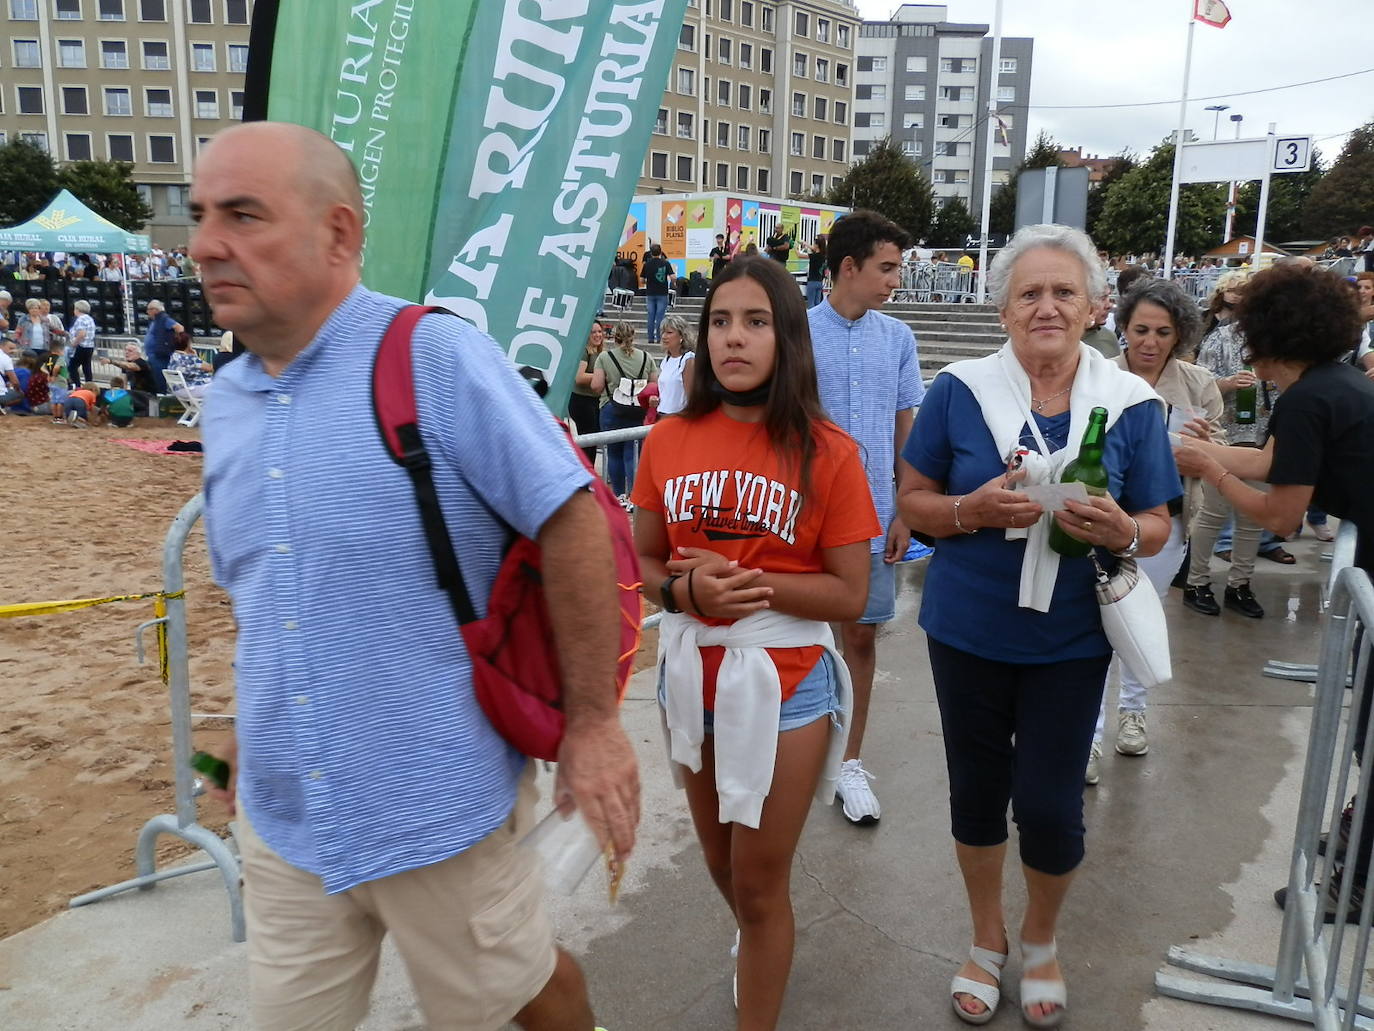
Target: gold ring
{"points": [[1087, 524]]}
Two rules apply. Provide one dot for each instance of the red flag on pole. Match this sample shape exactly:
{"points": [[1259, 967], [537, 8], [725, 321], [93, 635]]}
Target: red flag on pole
{"points": [[1211, 12]]}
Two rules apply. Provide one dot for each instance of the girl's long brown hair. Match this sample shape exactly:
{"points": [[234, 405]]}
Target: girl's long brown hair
{"points": [[794, 399]]}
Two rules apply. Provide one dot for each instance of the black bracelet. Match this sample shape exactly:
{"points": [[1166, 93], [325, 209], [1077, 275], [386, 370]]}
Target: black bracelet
{"points": [[692, 594]]}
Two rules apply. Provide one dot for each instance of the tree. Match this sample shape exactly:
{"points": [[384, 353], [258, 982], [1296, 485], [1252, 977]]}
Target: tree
{"points": [[28, 180], [1288, 196], [1098, 194], [107, 188], [953, 225], [1344, 198], [890, 183], [1135, 212], [1044, 153]]}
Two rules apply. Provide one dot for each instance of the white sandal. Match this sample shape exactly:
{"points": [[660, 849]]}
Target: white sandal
{"points": [[988, 994], [1036, 991]]}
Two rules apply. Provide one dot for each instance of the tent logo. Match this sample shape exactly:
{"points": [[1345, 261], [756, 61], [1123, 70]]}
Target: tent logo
{"points": [[57, 219]]}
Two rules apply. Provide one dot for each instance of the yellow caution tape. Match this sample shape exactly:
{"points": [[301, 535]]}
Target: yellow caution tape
{"points": [[43, 608]]}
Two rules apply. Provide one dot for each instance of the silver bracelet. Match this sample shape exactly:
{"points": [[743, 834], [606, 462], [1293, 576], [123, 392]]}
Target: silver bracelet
{"points": [[958, 525], [1129, 550]]}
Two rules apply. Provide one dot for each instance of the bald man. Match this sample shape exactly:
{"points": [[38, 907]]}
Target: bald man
{"points": [[375, 798]]}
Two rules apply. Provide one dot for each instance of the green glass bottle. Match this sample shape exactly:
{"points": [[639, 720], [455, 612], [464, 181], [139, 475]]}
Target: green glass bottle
{"points": [[1247, 399], [1088, 470], [216, 771]]}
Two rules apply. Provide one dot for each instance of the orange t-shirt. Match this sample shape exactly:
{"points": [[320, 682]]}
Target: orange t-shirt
{"points": [[85, 395], [720, 485]]}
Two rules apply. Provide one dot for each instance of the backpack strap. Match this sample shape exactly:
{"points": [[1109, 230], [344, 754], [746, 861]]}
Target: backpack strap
{"points": [[393, 405]]}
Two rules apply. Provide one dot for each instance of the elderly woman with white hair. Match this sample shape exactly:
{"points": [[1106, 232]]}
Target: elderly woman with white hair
{"points": [[82, 343], [1016, 644]]}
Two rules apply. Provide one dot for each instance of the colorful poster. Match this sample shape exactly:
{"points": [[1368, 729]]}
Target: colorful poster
{"points": [[491, 139], [749, 225], [673, 233], [633, 238], [734, 211], [827, 221]]}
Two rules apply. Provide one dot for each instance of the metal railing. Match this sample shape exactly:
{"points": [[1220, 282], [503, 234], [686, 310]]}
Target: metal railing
{"points": [[925, 282], [1319, 998], [1341, 556]]}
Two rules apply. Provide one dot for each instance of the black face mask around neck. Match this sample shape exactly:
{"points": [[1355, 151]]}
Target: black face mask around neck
{"points": [[742, 398]]}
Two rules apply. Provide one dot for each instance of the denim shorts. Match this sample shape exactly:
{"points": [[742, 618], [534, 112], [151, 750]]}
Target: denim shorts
{"points": [[817, 695], [882, 590]]}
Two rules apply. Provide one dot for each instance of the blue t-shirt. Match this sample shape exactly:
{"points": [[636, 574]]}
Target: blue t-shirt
{"points": [[971, 588]]}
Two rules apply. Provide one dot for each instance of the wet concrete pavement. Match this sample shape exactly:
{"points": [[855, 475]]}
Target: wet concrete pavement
{"points": [[1185, 846]]}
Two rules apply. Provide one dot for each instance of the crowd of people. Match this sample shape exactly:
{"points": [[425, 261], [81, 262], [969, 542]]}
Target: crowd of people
{"points": [[174, 263]]}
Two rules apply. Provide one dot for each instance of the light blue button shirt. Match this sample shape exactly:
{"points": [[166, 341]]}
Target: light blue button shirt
{"points": [[868, 372], [362, 751]]}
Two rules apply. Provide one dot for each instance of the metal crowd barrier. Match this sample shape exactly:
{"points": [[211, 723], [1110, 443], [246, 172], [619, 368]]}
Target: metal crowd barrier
{"points": [[1341, 556], [1319, 997], [925, 282]]}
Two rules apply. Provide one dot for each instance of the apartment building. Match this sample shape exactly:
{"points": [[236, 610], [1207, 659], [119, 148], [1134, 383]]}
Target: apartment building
{"points": [[759, 100], [925, 81], [142, 81]]}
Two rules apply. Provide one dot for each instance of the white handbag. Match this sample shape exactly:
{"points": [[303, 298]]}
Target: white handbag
{"points": [[1133, 620]]}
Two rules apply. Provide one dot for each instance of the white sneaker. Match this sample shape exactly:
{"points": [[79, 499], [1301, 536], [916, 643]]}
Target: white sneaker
{"points": [[860, 804], [1094, 773], [625, 503], [1130, 734]]}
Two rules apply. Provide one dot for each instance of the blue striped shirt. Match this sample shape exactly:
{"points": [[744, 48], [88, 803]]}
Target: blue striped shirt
{"points": [[868, 372], [362, 752]]}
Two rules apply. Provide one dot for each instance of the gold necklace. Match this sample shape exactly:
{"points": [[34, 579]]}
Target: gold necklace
{"points": [[1040, 405]]}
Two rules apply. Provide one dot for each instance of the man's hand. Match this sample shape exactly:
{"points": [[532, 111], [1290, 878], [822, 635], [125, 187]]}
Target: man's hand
{"points": [[229, 752], [898, 540], [598, 774]]}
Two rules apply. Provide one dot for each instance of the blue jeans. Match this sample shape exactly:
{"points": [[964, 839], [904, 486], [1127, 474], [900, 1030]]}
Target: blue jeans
{"points": [[157, 366], [657, 305], [815, 291], [621, 458]]}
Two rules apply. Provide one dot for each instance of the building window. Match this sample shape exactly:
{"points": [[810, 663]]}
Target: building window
{"points": [[913, 121], [877, 120], [203, 57], [818, 148], [684, 168], [722, 176], [822, 70], [236, 104], [765, 141], [766, 60], [837, 150], [820, 106], [1007, 66], [954, 94], [745, 96], [723, 135], [687, 81], [78, 146], [742, 178], [766, 101], [746, 17], [799, 64], [763, 181], [723, 92], [38, 139], [796, 183], [71, 53], [74, 101], [661, 122], [111, 10], [162, 150], [723, 49], [726, 10], [687, 38], [908, 148], [66, 10], [1006, 94], [120, 147], [842, 37], [914, 94], [117, 101], [842, 75], [766, 18], [817, 185], [236, 12], [841, 112], [742, 139], [746, 55], [947, 65], [685, 121], [822, 30], [152, 10], [879, 64], [156, 56], [207, 103], [178, 200], [23, 10], [658, 166], [27, 54], [803, 24], [157, 103], [798, 144], [937, 175], [199, 12], [861, 147], [961, 175], [861, 119], [114, 53], [238, 57], [30, 99], [916, 65], [798, 105]]}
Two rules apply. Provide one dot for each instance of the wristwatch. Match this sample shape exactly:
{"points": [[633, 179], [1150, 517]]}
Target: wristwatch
{"points": [[666, 594], [1129, 550]]}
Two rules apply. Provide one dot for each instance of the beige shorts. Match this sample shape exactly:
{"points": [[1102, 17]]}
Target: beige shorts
{"points": [[472, 930]]}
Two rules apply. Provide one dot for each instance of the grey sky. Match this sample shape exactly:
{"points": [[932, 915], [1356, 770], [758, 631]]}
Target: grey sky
{"points": [[1111, 52]]}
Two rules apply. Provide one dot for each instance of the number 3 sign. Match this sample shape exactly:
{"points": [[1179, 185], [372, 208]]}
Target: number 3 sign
{"points": [[1292, 154]]}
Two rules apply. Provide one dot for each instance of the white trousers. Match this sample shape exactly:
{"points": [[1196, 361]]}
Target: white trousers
{"points": [[1161, 570]]}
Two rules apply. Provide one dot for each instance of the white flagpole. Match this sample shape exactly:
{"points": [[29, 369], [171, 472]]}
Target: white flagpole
{"points": [[994, 73], [1178, 147]]}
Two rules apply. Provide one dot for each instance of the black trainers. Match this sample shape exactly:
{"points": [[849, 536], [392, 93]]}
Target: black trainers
{"points": [[1331, 898], [1241, 599], [1201, 599]]}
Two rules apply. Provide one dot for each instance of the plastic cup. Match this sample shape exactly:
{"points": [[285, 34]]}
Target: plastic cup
{"points": [[566, 847]]}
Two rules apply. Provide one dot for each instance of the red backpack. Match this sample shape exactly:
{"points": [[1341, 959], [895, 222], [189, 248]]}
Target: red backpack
{"points": [[515, 669]]}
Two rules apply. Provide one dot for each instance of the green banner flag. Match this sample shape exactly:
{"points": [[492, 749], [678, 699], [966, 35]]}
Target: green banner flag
{"points": [[498, 143]]}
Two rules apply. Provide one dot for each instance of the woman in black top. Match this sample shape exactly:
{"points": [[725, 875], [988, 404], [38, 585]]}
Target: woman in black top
{"points": [[815, 271]]}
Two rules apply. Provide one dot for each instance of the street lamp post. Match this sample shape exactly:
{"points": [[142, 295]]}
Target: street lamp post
{"points": [[1232, 195], [1216, 122]]}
